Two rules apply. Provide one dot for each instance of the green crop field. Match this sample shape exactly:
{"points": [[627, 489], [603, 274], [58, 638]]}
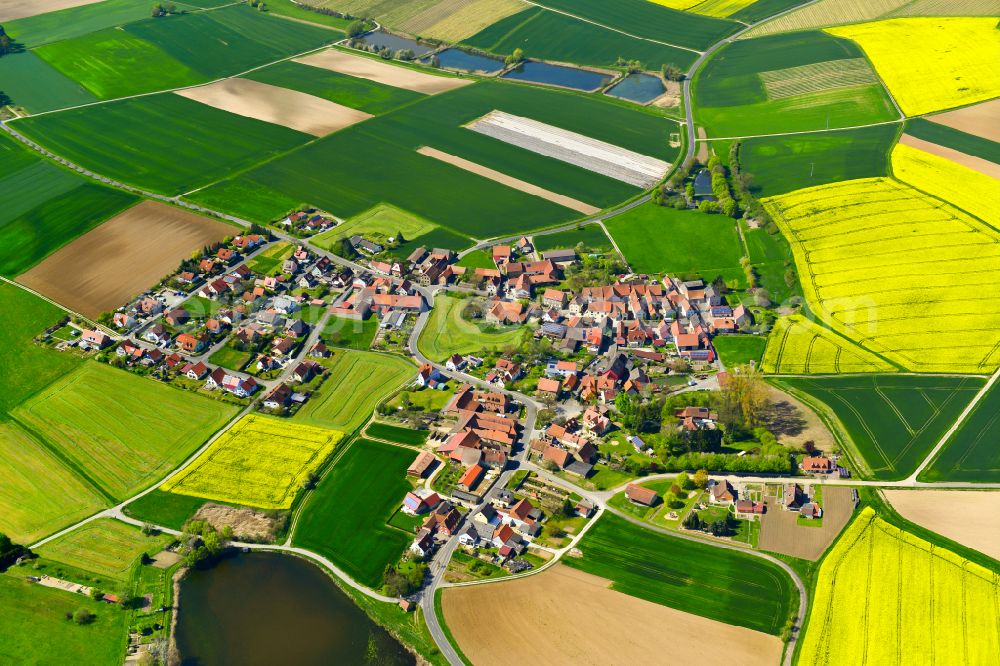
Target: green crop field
{"points": [[448, 332], [112, 63], [658, 239], [972, 453], [724, 585], [771, 256], [104, 547], [35, 630], [50, 27], [970, 144], [649, 20], [165, 143], [119, 431], [39, 495], [32, 83], [163, 508], [782, 164], [357, 381], [230, 40], [592, 237], [762, 9], [294, 11], [735, 350], [732, 98], [893, 421], [345, 516], [368, 96], [396, 434], [552, 36]]}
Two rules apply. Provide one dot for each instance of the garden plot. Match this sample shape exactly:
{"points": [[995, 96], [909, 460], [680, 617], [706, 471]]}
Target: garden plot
{"points": [[982, 120], [509, 181], [105, 267], [259, 462], [781, 533], [816, 77], [16, 9], [903, 274], [381, 72], [280, 106], [582, 151]]}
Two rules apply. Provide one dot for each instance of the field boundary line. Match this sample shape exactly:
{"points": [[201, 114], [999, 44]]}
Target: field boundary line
{"points": [[956, 425], [815, 131]]}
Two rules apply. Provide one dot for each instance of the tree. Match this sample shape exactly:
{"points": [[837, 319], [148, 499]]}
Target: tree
{"points": [[692, 521], [700, 478], [83, 616], [356, 29], [672, 72], [4, 98], [762, 298], [514, 58]]}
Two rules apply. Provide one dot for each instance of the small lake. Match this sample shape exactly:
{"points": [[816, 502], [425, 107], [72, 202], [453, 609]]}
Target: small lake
{"points": [[558, 75], [468, 62], [268, 608], [395, 43], [641, 88]]}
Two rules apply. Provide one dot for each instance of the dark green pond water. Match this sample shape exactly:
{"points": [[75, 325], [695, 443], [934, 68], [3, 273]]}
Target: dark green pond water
{"points": [[267, 608]]}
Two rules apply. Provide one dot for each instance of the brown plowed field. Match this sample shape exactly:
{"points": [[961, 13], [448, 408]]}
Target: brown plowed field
{"points": [[382, 72], [565, 616], [107, 266], [16, 9], [984, 167], [970, 517], [780, 533], [980, 119]]}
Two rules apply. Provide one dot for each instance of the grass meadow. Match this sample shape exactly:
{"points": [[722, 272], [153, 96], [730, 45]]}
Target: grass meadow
{"points": [[396, 434], [119, 431], [659, 239], [293, 11], [349, 333], [260, 462], [106, 547], [971, 454], [448, 332], [695, 578], [893, 421], [345, 517], [592, 237], [736, 350], [356, 382], [163, 508]]}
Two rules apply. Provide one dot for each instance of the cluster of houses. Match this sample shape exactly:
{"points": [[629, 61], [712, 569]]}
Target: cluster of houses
{"points": [[382, 296], [572, 447], [308, 222]]}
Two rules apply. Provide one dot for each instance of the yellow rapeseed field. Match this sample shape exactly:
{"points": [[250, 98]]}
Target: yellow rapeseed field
{"points": [[260, 462], [966, 188], [799, 346], [884, 596], [676, 4], [720, 8], [930, 64], [901, 273]]}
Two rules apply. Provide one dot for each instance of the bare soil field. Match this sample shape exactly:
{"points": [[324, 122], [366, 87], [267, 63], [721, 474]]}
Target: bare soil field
{"points": [[381, 72], [794, 423], [779, 532], [970, 517], [17, 9], [982, 119], [984, 167], [289, 108], [702, 155], [509, 181], [105, 267], [246, 523], [571, 617]]}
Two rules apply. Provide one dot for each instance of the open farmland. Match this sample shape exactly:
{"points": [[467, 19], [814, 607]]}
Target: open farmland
{"points": [[118, 431], [931, 64], [788, 83], [149, 241], [797, 345], [963, 187], [448, 332], [901, 273], [892, 421], [373, 69], [192, 145], [550, 605], [452, 20], [890, 597], [345, 517], [39, 495], [935, 510], [260, 462], [17, 9], [966, 143], [362, 94], [723, 585], [561, 38], [104, 547], [288, 108], [592, 236], [981, 120], [355, 383], [73, 22], [971, 454], [658, 239], [32, 83]]}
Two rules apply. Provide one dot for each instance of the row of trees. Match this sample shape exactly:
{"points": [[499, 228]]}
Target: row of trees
{"points": [[161, 9]]}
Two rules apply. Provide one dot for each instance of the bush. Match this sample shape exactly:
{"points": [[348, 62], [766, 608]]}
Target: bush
{"points": [[83, 616]]}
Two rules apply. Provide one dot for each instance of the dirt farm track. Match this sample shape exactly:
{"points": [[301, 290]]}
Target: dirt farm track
{"points": [[565, 616], [105, 267]]}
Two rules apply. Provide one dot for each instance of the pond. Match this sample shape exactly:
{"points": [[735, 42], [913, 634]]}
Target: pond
{"points": [[395, 43], [558, 75], [268, 608], [469, 62], [641, 88]]}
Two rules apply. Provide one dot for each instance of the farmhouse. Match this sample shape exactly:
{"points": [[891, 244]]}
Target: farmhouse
{"points": [[419, 467], [818, 465], [721, 492], [641, 495]]}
